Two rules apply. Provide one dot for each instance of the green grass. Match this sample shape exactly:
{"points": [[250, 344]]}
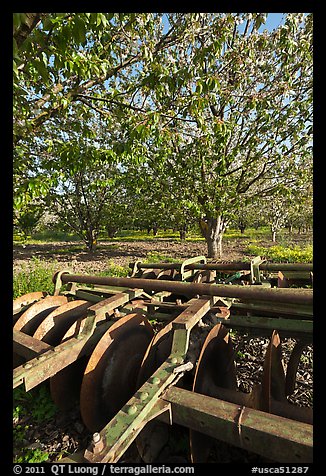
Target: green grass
{"points": [[249, 233], [142, 235], [29, 409], [35, 276], [36, 403], [280, 253], [50, 235], [154, 257], [114, 270], [31, 456]]}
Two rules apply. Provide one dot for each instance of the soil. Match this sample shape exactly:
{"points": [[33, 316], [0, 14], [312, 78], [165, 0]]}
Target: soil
{"points": [[119, 253], [65, 433]]}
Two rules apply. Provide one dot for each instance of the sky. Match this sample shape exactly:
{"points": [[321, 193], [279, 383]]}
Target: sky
{"points": [[272, 22]]}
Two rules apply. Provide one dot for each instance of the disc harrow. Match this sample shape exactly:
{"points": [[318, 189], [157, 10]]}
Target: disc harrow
{"points": [[157, 349]]}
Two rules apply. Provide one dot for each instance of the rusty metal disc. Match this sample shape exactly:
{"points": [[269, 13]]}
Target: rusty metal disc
{"points": [[110, 378], [168, 274], [150, 273], [273, 380], [55, 325], [26, 300], [65, 385], [293, 364], [156, 353], [155, 435], [275, 386], [215, 370], [29, 321]]}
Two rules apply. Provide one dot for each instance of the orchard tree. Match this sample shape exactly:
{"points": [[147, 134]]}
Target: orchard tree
{"points": [[230, 112], [26, 218], [253, 112], [62, 60], [248, 215], [300, 212], [288, 206], [85, 179], [222, 104]]}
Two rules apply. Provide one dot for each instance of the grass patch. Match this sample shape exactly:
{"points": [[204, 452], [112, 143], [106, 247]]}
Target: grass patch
{"points": [[29, 409], [29, 455], [50, 235], [37, 403], [34, 276], [154, 257], [66, 251], [283, 254], [114, 270], [249, 233], [142, 235]]}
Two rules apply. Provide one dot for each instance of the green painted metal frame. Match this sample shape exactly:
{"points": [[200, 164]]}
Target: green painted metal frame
{"points": [[261, 432], [270, 323], [275, 437]]}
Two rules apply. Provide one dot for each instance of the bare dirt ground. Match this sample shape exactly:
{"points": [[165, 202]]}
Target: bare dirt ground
{"points": [[72, 254]]}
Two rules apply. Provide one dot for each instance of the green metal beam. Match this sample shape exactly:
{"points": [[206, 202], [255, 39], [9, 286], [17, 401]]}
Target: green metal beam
{"points": [[274, 437], [256, 322]]}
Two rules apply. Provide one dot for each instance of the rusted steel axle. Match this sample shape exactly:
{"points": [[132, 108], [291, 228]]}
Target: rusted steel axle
{"points": [[230, 266], [254, 292]]}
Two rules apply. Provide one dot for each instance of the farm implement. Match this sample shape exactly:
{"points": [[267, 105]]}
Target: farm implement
{"points": [[155, 351]]}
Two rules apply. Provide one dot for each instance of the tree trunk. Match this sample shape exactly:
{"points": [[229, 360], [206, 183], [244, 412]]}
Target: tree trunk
{"points": [[155, 230], [213, 230], [274, 236], [183, 232], [111, 231], [90, 240]]}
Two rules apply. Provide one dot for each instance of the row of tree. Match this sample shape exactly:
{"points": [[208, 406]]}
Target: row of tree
{"points": [[185, 117], [90, 211]]}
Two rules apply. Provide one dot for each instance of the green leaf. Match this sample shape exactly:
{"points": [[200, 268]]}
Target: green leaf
{"points": [[15, 68], [16, 20], [15, 49], [45, 59], [199, 88]]}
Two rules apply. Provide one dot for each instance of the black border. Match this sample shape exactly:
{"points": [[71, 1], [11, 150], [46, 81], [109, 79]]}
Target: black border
{"points": [[6, 190]]}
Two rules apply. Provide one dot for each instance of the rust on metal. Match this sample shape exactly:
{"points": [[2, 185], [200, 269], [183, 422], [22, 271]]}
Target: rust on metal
{"points": [[293, 364], [27, 346], [29, 321], [55, 325], [65, 384], [272, 436], [26, 300], [42, 367], [215, 369], [250, 292], [253, 400], [100, 348], [286, 279], [273, 381], [155, 434], [191, 315], [236, 266], [110, 376]]}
